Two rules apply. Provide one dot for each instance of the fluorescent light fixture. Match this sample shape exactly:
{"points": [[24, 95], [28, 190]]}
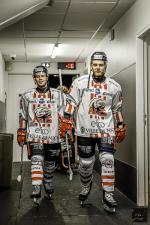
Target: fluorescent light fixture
{"points": [[55, 51]]}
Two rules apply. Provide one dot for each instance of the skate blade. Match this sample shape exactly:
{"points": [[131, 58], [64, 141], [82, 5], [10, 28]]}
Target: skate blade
{"points": [[36, 202], [109, 209], [82, 204], [49, 196]]}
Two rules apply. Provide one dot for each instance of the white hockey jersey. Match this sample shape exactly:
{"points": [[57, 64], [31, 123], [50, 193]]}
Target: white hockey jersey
{"points": [[39, 115], [98, 106]]}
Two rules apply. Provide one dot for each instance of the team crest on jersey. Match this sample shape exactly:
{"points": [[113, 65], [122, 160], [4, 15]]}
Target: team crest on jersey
{"points": [[42, 112], [97, 106]]}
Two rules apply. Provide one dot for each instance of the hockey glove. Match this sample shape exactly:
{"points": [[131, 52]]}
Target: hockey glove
{"points": [[66, 125], [120, 133], [21, 136]]}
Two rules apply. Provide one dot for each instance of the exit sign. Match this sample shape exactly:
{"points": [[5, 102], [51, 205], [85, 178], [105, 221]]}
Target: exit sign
{"points": [[67, 65]]}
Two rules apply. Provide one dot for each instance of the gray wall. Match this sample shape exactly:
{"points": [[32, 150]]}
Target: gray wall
{"points": [[2, 117], [126, 151]]}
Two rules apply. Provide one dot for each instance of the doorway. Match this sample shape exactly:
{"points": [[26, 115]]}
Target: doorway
{"points": [[147, 95], [143, 118], [67, 80]]}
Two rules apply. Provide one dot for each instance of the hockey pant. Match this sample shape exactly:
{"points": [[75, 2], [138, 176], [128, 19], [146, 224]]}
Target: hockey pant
{"points": [[86, 149], [44, 161]]}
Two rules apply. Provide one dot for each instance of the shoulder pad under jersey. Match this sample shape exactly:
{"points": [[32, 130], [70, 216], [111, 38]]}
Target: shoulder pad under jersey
{"points": [[28, 92], [82, 79], [114, 83], [54, 90]]}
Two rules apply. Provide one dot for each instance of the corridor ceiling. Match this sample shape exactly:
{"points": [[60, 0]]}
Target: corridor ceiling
{"points": [[75, 26]]}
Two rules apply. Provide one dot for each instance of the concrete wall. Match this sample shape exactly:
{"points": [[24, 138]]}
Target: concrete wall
{"points": [[3, 94], [16, 85], [2, 79]]}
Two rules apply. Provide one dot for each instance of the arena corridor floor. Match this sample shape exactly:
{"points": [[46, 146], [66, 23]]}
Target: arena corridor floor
{"points": [[16, 207]]}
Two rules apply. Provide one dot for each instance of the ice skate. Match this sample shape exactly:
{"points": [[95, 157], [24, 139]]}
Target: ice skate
{"points": [[49, 189], [36, 195], [84, 194], [109, 203]]}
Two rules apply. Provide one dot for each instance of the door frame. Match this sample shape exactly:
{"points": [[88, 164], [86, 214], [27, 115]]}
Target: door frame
{"points": [[142, 116]]}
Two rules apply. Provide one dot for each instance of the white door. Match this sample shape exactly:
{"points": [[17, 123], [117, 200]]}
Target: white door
{"points": [[143, 118]]}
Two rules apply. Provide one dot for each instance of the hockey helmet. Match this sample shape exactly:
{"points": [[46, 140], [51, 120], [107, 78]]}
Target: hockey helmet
{"points": [[99, 56], [40, 69]]}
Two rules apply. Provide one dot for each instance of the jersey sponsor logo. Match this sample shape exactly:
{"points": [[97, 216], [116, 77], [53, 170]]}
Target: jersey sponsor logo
{"points": [[97, 91], [43, 137], [41, 100], [42, 130], [97, 124], [90, 130], [96, 130], [45, 131], [37, 130]]}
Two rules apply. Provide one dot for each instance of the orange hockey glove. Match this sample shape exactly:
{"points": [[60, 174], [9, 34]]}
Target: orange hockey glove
{"points": [[120, 133], [66, 125], [21, 136]]}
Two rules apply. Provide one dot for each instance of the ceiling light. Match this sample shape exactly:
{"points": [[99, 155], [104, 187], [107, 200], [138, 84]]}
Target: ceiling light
{"points": [[54, 51]]}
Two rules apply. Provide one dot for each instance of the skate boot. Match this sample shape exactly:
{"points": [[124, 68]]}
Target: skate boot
{"points": [[36, 195], [109, 203], [84, 193], [49, 190]]}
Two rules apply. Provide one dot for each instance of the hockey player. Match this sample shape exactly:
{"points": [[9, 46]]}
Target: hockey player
{"points": [[38, 127], [98, 102]]}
